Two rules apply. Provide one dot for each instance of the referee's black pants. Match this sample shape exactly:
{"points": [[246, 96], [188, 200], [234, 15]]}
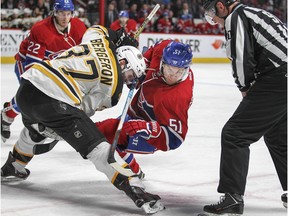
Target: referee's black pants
{"points": [[263, 112]]}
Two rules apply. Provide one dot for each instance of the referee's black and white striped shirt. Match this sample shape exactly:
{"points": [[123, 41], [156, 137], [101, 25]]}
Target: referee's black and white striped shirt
{"points": [[256, 43]]}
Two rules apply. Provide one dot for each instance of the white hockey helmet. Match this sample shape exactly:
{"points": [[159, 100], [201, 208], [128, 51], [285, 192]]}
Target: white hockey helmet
{"points": [[134, 67]]}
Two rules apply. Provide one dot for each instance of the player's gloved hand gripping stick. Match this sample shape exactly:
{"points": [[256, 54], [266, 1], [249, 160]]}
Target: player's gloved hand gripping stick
{"points": [[111, 158]]}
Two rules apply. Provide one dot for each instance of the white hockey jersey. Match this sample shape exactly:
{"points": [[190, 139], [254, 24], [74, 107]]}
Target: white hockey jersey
{"points": [[87, 76]]}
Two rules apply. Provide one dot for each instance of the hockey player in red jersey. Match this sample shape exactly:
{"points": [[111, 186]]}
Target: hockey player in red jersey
{"points": [[46, 40], [149, 26], [158, 114], [165, 24], [186, 24], [189, 25], [129, 25]]}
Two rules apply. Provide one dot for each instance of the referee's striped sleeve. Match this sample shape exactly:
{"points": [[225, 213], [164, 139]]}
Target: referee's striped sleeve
{"points": [[257, 43]]}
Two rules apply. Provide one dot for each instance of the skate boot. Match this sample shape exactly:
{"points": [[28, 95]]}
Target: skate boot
{"points": [[150, 203], [141, 174], [5, 124], [229, 204], [284, 199], [9, 173]]}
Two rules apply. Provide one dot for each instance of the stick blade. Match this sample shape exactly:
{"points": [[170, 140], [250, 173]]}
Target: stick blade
{"points": [[122, 170]]}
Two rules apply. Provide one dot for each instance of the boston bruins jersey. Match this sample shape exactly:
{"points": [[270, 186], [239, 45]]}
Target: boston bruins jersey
{"points": [[87, 76]]}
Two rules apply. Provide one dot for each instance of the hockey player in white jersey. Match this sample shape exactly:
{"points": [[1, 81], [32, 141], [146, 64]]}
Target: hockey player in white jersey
{"points": [[63, 93]]}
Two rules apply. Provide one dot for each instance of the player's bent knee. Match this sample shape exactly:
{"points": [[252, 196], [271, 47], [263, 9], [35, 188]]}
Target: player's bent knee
{"points": [[25, 143], [35, 136], [82, 135]]}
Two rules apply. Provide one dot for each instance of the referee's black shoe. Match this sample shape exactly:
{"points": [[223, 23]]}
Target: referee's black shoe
{"points": [[229, 203]]}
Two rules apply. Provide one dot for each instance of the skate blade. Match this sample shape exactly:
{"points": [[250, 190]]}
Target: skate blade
{"points": [[11, 179], [153, 207], [223, 214], [3, 139]]}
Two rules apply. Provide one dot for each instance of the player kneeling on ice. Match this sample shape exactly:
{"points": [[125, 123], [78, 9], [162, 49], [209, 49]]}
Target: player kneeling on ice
{"points": [[158, 114], [62, 93]]}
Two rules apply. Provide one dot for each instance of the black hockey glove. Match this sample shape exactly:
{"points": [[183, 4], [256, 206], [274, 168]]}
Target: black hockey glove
{"points": [[125, 39]]}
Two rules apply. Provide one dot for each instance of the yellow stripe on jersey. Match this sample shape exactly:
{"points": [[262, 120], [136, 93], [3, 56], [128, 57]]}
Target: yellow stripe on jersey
{"points": [[70, 78], [114, 66], [74, 84], [108, 68], [100, 29], [67, 87]]}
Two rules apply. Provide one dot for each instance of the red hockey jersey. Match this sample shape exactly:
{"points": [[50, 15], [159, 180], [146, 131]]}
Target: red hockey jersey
{"points": [[148, 27], [130, 27], [189, 27], [46, 41], [20, 58], [168, 105], [165, 26], [21, 55]]}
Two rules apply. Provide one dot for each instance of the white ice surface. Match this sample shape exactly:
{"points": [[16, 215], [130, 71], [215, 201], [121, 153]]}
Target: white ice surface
{"points": [[62, 183]]}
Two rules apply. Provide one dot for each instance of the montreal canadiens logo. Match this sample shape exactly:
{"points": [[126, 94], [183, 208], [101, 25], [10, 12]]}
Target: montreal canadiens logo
{"points": [[54, 55]]}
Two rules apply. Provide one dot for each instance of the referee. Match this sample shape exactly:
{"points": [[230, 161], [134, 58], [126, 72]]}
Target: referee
{"points": [[257, 48]]}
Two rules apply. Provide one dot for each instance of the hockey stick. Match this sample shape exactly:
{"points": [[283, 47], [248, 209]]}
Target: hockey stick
{"points": [[146, 21], [111, 159]]}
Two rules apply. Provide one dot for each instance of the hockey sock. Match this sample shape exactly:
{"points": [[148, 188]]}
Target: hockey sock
{"points": [[130, 159], [98, 156], [21, 160], [14, 111]]}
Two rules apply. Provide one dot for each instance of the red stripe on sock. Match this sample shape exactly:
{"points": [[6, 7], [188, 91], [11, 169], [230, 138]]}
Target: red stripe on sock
{"points": [[10, 113]]}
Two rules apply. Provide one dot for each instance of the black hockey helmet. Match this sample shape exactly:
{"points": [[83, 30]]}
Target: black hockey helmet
{"points": [[210, 9], [208, 4]]}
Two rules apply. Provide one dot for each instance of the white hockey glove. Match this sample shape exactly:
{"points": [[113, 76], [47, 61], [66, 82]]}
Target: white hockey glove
{"points": [[46, 132]]}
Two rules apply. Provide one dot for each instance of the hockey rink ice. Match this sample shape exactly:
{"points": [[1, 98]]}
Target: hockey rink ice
{"points": [[61, 183]]}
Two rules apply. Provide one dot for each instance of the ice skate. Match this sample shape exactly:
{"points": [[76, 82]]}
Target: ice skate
{"points": [[284, 199], [229, 204], [141, 174], [150, 203], [5, 124], [10, 174]]}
